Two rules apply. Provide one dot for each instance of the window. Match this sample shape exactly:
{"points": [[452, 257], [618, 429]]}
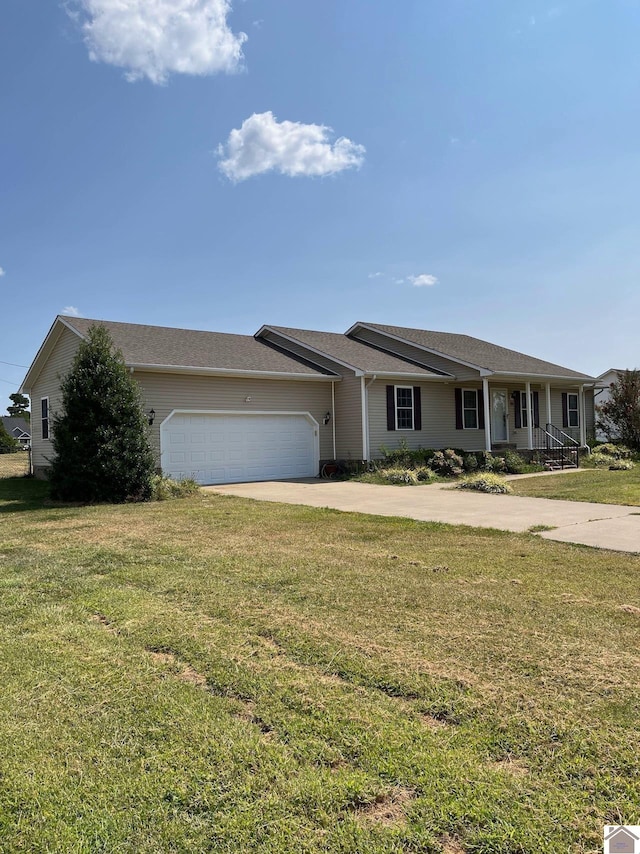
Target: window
{"points": [[524, 414], [44, 407], [573, 416], [470, 409], [404, 407]]}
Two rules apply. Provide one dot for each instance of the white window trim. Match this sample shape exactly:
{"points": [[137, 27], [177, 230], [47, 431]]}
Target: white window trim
{"points": [[47, 419], [575, 409], [468, 408], [413, 408]]}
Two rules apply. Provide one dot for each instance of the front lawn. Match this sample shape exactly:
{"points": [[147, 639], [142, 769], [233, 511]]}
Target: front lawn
{"points": [[222, 675], [599, 485]]}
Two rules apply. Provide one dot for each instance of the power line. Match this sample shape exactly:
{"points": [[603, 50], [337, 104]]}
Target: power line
{"points": [[10, 382], [13, 364]]}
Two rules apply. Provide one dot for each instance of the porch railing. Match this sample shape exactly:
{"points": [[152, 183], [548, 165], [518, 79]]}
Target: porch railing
{"points": [[556, 448]]}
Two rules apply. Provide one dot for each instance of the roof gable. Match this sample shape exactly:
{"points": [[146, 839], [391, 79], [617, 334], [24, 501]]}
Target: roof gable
{"points": [[473, 352], [362, 358]]}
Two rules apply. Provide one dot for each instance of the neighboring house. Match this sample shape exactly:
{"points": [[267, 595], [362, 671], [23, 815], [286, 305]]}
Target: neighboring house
{"points": [[18, 429], [279, 403], [601, 393]]}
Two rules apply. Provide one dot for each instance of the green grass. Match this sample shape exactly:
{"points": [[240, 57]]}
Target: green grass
{"points": [[221, 675], [599, 485]]}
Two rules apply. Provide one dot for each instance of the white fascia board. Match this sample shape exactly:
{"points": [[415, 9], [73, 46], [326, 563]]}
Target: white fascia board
{"points": [[450, 358], [52, 336], [407, 376], [535, 377], [231, 372], [259, 334]]}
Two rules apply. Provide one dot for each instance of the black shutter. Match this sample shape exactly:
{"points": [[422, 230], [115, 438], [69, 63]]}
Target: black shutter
{"points": [[417, 408], [458, 393], [518, 410], [481, 409], [391, 408], [536, 409], [565, 409]]}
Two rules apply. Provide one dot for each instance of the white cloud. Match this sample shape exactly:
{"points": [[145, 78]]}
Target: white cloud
{"points": [[2, 272], [424, 280], [374, 275], [154, 38], [263, 144], [71, 311]]}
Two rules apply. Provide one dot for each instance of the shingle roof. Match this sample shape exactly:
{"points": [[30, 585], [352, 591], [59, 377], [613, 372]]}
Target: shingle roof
{"points": [[480, 353], [15, 426], [167, 346], [364, 357]]}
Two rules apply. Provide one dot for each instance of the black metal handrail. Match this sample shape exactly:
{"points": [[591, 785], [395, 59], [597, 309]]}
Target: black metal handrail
{"points": [[556, 446]]}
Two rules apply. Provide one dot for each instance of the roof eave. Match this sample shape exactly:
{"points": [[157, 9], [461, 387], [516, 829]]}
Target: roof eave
{"points": [[581, 380], [230, 372]]}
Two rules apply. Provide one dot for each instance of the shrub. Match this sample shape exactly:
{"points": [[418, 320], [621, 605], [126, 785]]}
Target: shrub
{"points": [[397, 475], [618, 452], [600, 460], [405, 457], [100, 441], [485, 482], [446, 463], [163, 488], [514, 463], [470, 462], [425, 474], [621, 465]]}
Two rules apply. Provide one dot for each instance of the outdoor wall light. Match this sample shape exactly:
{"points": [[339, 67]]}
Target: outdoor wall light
{"points": [[247, 399], [326, 418], [151, 417]]}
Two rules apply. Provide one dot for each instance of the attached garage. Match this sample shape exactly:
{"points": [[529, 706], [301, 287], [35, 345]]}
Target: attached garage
{"points": [[231, 447]]}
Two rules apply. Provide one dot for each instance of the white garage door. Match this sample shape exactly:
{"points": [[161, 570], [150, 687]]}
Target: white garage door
{"points": [[231, 448]]}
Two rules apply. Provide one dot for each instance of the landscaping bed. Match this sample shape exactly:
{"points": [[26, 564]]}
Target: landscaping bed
{"points": [[218, 674]]}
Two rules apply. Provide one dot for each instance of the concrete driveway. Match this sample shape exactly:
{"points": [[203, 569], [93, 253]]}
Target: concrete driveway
{"points": [[606, 526]]}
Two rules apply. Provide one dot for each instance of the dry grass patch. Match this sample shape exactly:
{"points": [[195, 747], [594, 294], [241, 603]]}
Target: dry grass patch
{"points": [[450, 845], [389, 808], [183, 671], [14, 465]]}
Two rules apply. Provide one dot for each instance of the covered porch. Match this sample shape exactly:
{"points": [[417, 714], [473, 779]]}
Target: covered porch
{"points": [[531, 414]]}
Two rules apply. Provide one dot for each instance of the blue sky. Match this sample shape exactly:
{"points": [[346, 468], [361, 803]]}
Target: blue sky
{"points": [[481, 174]]}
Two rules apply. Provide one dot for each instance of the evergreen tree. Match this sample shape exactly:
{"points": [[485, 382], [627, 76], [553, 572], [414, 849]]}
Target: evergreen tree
{"points": [[8, 444], [19, 407], [100, 435], [619, 417]]}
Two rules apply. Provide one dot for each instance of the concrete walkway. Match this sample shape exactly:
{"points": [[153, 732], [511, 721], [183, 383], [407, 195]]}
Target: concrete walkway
{"points": [[606, 526]]}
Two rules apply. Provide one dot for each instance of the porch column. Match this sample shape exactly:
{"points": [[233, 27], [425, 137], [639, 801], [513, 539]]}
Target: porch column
{"points": [[487, 414], [529, 416], [583, 426], [547, 389]]}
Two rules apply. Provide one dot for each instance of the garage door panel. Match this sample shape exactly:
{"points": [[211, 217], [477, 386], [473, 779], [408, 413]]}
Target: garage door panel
{"points": [[227, 448]]}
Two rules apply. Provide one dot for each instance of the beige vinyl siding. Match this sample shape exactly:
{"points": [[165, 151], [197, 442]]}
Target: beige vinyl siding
{"points": [[408, 351], [438, 419], [47, 384], [348, 417], [348, 414], [556, 411], [164, 392]]}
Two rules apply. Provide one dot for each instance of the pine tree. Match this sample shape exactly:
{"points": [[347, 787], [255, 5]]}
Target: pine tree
{"points": [[19, 407], [100, 434]]}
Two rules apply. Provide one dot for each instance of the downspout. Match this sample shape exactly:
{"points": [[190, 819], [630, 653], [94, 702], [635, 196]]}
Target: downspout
{"points": [[333, 416], [365, 416]]}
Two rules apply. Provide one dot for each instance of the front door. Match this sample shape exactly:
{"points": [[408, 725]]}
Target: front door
{"points": [[499, 415]]}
